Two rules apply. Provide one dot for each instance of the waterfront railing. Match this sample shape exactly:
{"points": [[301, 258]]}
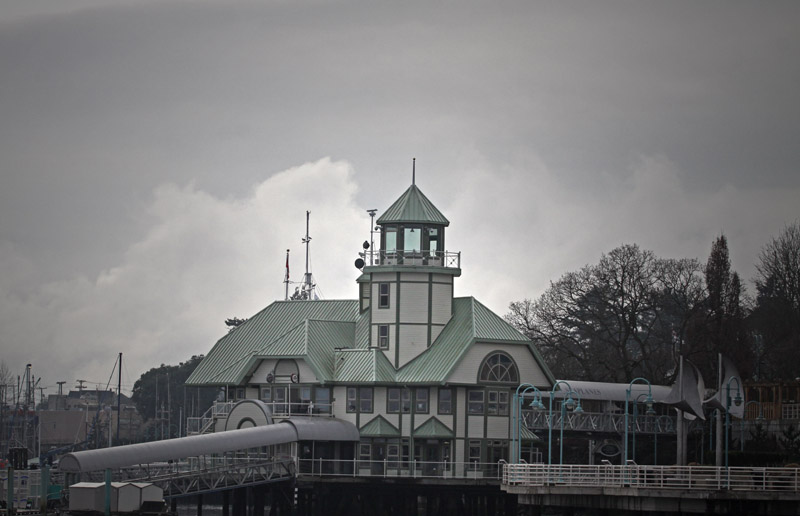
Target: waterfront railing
{"points": [[705, 478]]}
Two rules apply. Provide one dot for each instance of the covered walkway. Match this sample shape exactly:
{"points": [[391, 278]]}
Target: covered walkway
{"points": [[286, 432], [213, 462]]}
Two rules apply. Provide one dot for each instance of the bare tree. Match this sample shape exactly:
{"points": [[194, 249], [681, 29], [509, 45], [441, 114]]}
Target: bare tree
{"points": [[776, 317], [624, 317]]}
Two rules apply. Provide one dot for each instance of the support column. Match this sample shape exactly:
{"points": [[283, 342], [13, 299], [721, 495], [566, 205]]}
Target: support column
{"points": [[239, 502], [199, 505], [258, 501], [718, 454], [107, 505], [45, 487], [10, 492], [226, 503]]}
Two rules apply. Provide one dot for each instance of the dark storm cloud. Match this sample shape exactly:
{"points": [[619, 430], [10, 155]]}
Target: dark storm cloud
{"points": [[590, 123]]}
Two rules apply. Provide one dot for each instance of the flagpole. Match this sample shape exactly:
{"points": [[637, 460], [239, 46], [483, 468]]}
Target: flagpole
{"points": [[286, 279]]}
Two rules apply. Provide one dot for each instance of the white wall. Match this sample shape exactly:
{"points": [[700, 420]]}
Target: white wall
{"points": [[414, 303], [413, 341], [529, 370]]}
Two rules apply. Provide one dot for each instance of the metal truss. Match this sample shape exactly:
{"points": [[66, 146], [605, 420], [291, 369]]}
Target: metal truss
{"points": [[599, 422]]}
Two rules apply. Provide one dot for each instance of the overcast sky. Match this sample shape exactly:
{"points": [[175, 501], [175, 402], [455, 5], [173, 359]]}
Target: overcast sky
{"points": [[157, 158]]}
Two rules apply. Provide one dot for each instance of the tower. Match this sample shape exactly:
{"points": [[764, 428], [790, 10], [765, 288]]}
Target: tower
{"points": [[407, 284]]}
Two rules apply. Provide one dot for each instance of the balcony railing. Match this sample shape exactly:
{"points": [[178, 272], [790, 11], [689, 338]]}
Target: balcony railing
{"points": [[599, 422], [448, 259], [305, 408], [389, 468]]}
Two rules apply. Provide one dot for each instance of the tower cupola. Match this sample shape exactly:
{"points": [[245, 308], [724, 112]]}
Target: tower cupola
{"points": [[412, 232], [407, 284]]}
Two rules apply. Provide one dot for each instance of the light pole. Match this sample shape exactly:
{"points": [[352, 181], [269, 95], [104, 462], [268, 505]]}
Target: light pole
{"points": [[567, 404], [737, 401], [648, 402], [519, 399], [760, 418], [648, 412]]}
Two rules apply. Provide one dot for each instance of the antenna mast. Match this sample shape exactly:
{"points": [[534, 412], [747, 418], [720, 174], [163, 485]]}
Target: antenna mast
{"points": [[308, 285], [413, 171]]}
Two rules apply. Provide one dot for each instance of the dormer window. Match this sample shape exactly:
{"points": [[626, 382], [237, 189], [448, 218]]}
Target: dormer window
{"points": [[498, 368]]}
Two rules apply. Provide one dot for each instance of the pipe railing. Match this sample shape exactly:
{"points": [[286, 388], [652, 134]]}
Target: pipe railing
{"points": [[706, 478]]}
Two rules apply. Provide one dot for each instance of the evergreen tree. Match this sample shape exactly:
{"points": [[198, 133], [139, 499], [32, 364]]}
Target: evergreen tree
{"points": [[720, 326]]}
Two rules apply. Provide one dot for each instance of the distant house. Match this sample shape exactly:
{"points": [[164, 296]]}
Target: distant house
{"points": [[423, 375]]}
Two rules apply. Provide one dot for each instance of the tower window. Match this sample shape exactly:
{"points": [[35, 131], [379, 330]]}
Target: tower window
{"points": [[383, 336], [433, 241], [391, 239], [383, 295], [412, 238]]}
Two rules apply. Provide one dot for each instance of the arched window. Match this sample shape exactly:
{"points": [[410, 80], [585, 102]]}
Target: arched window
{"points": [[498, 368]]}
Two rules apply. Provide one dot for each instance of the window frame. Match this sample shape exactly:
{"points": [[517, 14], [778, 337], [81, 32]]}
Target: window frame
{"points": [[383, 340], [352, 400], [471, 402], [390, 391], [440, 402], [422, 409], [384, 301], [363, 399], [498, 407]]}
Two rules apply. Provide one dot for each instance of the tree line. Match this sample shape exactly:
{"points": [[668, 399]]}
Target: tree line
{"points": [[635, 314]]}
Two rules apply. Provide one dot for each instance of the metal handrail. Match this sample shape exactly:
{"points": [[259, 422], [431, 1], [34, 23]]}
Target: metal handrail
{"points": [[704, 478], [399, 257], [399, 468]]}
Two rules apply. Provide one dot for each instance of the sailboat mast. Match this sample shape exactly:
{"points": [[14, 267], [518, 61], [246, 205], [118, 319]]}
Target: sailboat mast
{"points": [[119, 395]]}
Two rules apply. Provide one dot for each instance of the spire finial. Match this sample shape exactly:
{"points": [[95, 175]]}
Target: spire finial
{"points": [[413, 171]]}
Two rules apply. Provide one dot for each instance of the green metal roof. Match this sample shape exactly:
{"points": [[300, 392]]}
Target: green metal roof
{"points": [[471, 322], [491, 327], [281, 323], [323, 338], [413, 206], [363, 366], [332, 337], [526, 435], [433, 428], [379, 427]]}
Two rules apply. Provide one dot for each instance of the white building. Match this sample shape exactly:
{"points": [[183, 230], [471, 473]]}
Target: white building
{"points": [[422, 375]]}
